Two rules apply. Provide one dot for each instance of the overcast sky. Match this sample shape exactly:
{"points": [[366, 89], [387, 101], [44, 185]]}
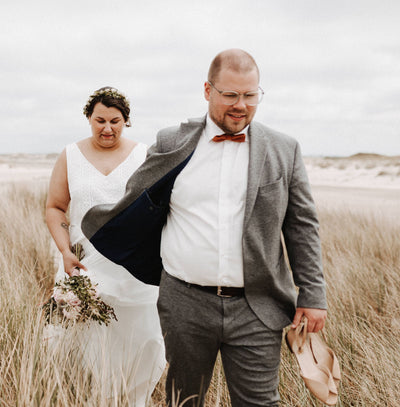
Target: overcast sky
{"points": [[330, 69]]}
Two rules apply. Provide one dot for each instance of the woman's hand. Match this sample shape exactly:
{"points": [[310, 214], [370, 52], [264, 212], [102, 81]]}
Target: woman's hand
{"points": [[72, 265]]}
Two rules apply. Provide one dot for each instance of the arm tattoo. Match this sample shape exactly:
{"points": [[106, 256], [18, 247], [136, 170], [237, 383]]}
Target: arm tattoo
{"points": [[64, 225]]}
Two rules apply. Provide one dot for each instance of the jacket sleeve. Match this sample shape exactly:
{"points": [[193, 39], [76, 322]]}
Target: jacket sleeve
{"points": [[300, 231]]}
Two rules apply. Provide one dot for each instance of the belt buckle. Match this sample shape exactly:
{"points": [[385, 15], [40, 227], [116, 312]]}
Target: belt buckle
{"points": [[219, 291]]}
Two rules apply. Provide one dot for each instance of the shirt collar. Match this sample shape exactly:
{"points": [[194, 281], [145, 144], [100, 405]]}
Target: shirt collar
{"points": [[211, 130]]}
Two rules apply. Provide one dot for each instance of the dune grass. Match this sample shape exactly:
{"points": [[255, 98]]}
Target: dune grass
{"points": [[361, 255]]}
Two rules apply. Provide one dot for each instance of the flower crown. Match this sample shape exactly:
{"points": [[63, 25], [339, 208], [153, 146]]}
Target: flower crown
{"points": [[112, 92]]}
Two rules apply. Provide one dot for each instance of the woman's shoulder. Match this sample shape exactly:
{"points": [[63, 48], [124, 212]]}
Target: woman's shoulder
{"points": [[82, 144], [128, 144], [134, 147], [132, 144]]}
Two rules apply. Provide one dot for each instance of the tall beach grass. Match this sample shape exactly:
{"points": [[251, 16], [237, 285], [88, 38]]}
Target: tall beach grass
{"points": [[361, 255]]}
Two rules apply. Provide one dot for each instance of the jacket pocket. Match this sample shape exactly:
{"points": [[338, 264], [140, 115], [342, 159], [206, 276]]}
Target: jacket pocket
{"points": [[272, 186], [270, 205]]}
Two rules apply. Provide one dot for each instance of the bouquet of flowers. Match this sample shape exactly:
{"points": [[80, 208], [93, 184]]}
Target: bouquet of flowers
{"points": [[75, 299]]}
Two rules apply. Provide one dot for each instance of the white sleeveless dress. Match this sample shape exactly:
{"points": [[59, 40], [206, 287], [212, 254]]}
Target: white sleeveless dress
{"points": [[128, 352]]}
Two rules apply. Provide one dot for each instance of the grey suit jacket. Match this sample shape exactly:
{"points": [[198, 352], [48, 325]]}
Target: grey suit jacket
{"points": [[279, 207]]}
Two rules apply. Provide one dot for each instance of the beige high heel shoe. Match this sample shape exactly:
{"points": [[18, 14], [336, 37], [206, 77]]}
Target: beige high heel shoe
{"points": [[317, 377], [325, 356]]}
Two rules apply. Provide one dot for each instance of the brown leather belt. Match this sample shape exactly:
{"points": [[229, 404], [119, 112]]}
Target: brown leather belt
{"points": [[221, 291]]}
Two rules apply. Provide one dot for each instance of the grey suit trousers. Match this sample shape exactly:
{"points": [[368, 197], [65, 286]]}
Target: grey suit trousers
{"points": [[196, 325]]}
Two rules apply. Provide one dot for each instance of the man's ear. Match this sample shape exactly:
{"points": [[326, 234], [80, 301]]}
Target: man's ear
{"points": [[207, 90]]}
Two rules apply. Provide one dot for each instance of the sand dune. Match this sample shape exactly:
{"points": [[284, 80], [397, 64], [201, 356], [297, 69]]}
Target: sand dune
{"points": [[362, 181], [26, 168], [360, 170]]}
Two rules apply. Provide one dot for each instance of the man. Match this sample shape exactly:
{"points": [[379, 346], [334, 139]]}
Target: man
{"points": [[227, 203]]}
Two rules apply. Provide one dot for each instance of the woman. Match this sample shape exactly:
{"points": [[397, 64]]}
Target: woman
{"points": [[87, 173]]}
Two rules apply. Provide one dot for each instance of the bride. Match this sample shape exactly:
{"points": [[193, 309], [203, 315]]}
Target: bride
{"points": [[89, 172]]}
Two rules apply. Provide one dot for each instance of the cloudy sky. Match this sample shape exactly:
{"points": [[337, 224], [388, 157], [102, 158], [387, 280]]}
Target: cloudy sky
{"points": [[330, 68]]}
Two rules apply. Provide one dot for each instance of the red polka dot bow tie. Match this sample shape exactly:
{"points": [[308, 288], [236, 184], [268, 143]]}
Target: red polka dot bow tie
{"points": [[239, 138]]}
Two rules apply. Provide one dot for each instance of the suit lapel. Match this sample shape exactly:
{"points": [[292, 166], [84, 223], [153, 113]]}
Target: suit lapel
{"points": [[157, 165], [257, 157], [189, 133]]}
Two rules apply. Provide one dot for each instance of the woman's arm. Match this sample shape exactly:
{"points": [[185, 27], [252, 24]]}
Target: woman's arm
{"points": [[56, 207]]}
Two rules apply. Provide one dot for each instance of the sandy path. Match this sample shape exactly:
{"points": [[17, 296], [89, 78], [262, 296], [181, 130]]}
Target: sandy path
{"points": [[383, 202]]}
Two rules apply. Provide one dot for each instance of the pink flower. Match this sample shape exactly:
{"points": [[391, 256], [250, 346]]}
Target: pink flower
{"points": [[58, 295], [72, 299]]}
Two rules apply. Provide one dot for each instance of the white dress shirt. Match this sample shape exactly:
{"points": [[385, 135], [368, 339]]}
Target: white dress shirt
{"points": [[202, 240]]}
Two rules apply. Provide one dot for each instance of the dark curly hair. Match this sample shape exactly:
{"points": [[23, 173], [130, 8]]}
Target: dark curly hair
{"points": [[110, 97]]}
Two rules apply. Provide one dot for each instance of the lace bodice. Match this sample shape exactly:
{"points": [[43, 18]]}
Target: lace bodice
{"points": [[89, 187]]}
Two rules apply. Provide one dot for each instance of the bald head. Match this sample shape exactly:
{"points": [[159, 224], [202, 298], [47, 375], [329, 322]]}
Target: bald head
{"points": [[235, 60]]}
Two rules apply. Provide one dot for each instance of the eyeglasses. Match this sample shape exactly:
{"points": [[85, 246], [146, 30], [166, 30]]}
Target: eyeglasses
{"points": [[230, 97]]}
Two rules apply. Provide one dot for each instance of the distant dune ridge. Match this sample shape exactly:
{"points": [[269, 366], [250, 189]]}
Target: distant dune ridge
{"points": [[364, 181], [26, 167], [362, 170]]}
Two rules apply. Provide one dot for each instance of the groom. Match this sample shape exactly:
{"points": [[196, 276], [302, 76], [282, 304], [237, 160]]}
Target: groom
{"points": [[217, 197]]}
